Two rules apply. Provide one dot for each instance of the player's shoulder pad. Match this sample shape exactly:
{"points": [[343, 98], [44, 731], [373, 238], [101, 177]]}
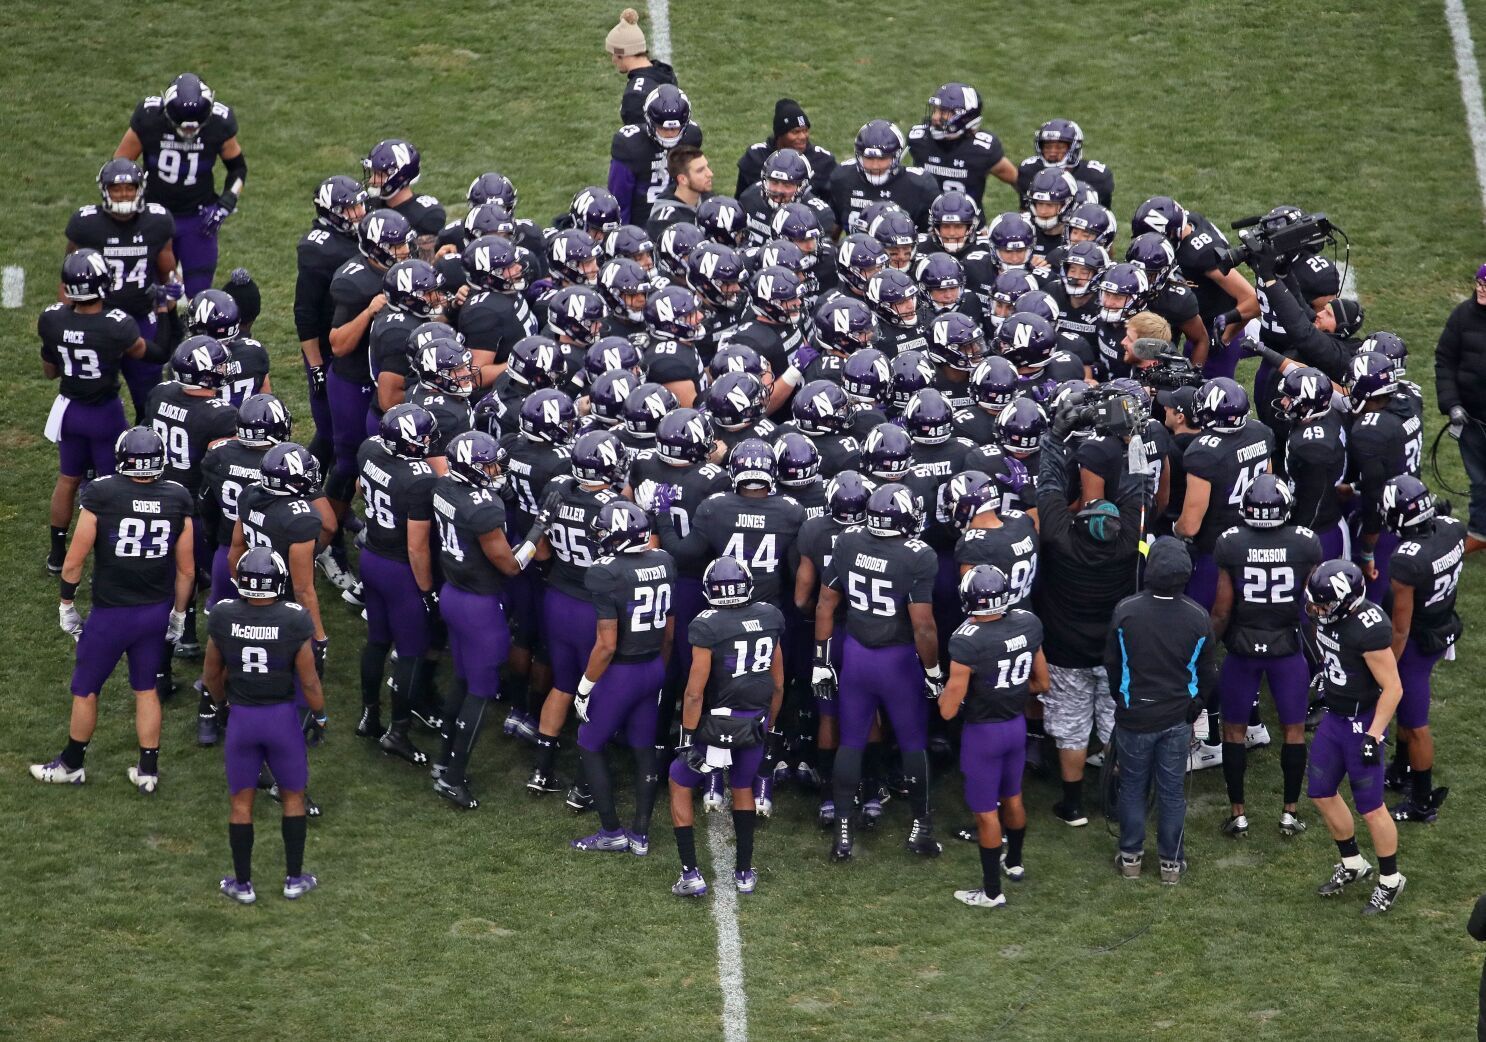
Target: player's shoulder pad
{"points": [[964, 441], [156, 208], [87, 211], [917, 545], [1370, 419], [984, 139], [1096, 166], [606, 559], [217, 403], [154, 101], [845, 164], [1209, 441], [705, 613], [1305, 532], [715, 495], [1409, 549], [629, 130], [1176, 289], [120, 315], [293, 604], [917, 132], [1230, 530], [710, 470], [221, 111], [58, 306]]}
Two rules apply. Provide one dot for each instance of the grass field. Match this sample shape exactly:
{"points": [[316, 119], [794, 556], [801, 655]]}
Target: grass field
{"points": [[433, 924]]}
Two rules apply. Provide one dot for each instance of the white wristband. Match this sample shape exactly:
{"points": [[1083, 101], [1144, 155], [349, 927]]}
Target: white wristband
{"points": [[586, 686], [792, 376]]}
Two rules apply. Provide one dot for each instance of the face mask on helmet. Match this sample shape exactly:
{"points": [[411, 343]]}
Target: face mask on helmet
{"points": [[879, 151]]}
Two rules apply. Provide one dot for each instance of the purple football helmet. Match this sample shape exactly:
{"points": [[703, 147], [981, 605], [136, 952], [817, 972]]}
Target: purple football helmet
{"points": [[645, 407], [673, 313], [684, 437], [985, 590], [85, 276], [289, 469], [1155, 254], [415, 288], [1020, 426], [1304, 392], [624, 286], [785, 173], [866, 377], [493, 188], [895, 232], [493, 263], [1051, 195], [340, 202], [1011, 236], [822, 408], [845, 324], [796, 222], [734, 400], [877, 140], [200, 361], [779, 296], [716, 273], [1040, 303], [954, 110], [727, 582], [609, 354], [1087, 257], [737, 358], [1267, 502], [1063, 131], [908, 373], [782, 253], [1160, 214], [1122, 289], [887, 452], [122, 173], [928, 417], [600, 458], [676, 244], [534, 361], [139, 453], [942, 280], [1390, 344], [262, 420], [574, 257], [893, 511], [261, 575], [1027, 341], [797, 458], [488, 219], [188, 104], [214, 313], [548, 415], [1335, 590], [954, 219], [846, 497], [994, 383], [620, 527], [595, 211], [956, 340], [894, 296], [608, 393], [1407, 504], [858, 259], [632, 243], [752, 465], [408, 430], [446, 364], [478, 460], [667, 111], [1369, 375], [385, 237], [577, 312], [1221, 404], [390, 166], [1090, 222], [722, 220]]}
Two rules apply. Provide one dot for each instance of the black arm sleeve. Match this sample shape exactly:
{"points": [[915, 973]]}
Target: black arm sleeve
{"points": [[312, 306], [168, 334], [1372, 475], [237, 173], [1312, 346]]}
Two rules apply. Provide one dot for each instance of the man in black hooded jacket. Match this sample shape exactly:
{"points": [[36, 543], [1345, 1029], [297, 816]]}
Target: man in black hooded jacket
{"points": [[791, 130]]}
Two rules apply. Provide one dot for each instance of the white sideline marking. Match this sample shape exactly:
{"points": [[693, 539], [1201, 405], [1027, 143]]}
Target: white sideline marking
{"points": [[13, 286], [1469, 74], [725, 914], [1349, 283], [660, 30]]}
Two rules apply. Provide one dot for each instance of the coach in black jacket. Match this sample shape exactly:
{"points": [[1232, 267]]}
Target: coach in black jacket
{"points": [[1162, 667], [1460, 383]]}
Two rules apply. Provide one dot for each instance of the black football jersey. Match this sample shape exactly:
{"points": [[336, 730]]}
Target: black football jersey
{"points": [[775, 344], [932, 466], [742, 640], [1382, 445], [1229, 462], [1000, 655], [259, 643], [277, 522], [247, 369], [87, 348], [450, 412], [763, 429], [424, 213], [850, 193], [988, 460], [636, 590], [759, 531], [878, 578], [958, 165], [1316, 462], [569, 535], [187, 424], [1109, 338], [1268, 567], [893, 340], [396, 491], [1081, 319], [1011, 548], [1430, 562], [131, 247], [138, 525], [533, 466], [645, 163], [508, 394], [751, 165], [1349, 687], [1109, 458], [319, 256], [389, 344], [1197, 254], [759, 213], [182, 169], [695, 484], [976, 425], [226, 471], [957, 392], [463, 515], [811, 495], [670, 361], [352, 288], [1089, 172]]}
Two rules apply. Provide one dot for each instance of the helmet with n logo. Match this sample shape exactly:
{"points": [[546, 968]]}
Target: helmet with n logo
{"points": [[620, 527], [289, 469], [1335, 590], [214, 313], [200, 361], [894, 511], [85, 276], [985, 590], [600, 458], [822, 407], [548, 415], [1407, 504], [390, 166], [414, 287], [385, 237], [262, 420], [477, 459], [408, 430], [684, 436]]}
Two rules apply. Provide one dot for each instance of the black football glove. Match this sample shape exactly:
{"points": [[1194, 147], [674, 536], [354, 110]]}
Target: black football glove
{"points": [[1372, 751]]}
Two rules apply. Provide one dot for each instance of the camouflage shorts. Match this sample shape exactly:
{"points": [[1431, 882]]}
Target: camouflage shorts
{"points": [[1077, 702]]}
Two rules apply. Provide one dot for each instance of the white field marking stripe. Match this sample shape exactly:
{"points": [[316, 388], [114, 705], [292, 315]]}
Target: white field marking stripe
{"points": [[1349, 283], [660, 28], [729, 940], [1469, 74], [13, 286]]}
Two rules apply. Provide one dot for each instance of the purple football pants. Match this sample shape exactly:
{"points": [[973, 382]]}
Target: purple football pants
{"points": [[394, 606], [992, 757], [1414, 669], [479, 639], [890, 678], [109, 634], [570, 626], [195, 252], [627, 699], [1289, 678], [1336, 753], [88, 436], [258, 735]]}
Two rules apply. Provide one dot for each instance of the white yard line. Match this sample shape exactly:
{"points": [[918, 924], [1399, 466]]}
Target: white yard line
{"points": [[725, 914], [660, 29], [1349, 283], [13, 286], [1469, 74]]}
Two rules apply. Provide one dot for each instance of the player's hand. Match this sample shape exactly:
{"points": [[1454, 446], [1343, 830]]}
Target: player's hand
{"points": [[175, 627], [167, 294], [550, 502], [1372, 749], [212, 216], [665, 497], [1369, 569], [804, 355], [1014, 474], [934, 682], [580, 706], [70, 621], [462, 295], [314, 728], [1231, 333], [446, 250], [377, 304], [430, 603], [223, 712], [824, 682], [645, 495], [317, 379]]}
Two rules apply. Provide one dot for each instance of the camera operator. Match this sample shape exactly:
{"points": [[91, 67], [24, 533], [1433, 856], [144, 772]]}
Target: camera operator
{"points": [[1178, 409], [1460, 383], [1107, 456]]}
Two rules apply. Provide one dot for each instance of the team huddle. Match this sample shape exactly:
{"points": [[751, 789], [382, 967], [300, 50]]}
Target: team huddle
{"points": [[814, 488]]}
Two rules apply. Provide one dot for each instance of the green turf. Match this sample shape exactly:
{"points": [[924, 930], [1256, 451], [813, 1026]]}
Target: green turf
{"points": [[434, 924]]}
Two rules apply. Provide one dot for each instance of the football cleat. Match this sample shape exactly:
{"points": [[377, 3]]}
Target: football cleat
{"points": [[53, 564], [782, 774], [1343, 877], [1383, 897], [1291, 824], [603, 841], [1095, 760], [395, 743], [825, 815], [968, 834], [296, 887], [1070, 814], [1015, 873], [539, 783], [1396, 777], [1409, 810], [520, 725], [370, 724], [1236, 827], [429, 719], [334, 569], [578, 798], [1172, 872], [1128, 865], [871, 811], [921, 839], [206, 729], [841, 848], [145, 783], [806, 775], [1256, 736], [1204, 756], [746, 881], [456, 793], [188, 650], [639, 843], [714, 796], [763, 796], [242, 893], [311, 808], [691, 884], [58, 773], [978, 899], [354, 595]]}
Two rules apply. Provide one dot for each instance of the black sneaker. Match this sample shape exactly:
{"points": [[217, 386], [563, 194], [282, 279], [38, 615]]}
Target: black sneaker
{"points": [[370, 724], [1383, 897], [1409, 809], [1396, 777], [397, 743], [311, 808], [921, 839], [540, 784], [1070, 814], [841, 848], [459, 795], [1343, 877], [578, 799], [206, 729], [188, 650]]}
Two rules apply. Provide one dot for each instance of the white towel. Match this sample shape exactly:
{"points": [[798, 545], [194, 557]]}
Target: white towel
{"points": [[53, 428]]}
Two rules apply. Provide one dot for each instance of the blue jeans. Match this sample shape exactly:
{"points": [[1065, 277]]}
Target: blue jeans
{"points": [[1473, 456], [1142, 756]]}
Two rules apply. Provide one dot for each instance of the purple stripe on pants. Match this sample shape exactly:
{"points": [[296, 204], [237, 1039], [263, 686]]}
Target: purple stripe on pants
{"points": [[570, 626], [479, 639], [992, 756], [348, 402], [1336, 753], [890, 678], [222, 587], [109, 634], [1414, 669], [88, 436], [1289, 678], [196, 252], [258, 735], [394, 607], [626, 698]]}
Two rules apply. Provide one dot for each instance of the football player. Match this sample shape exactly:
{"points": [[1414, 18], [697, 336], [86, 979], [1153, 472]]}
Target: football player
{"points": [[674, 324], [1423, 576], [823, 413], [1060, 143], [994, 532], [414, 291], [644, 408], [215, 314], [392, 168], [889, 648], [691, 182], [446, 376], [951, 148], [495, 315], [734, 403], [734, 691], [1360, 690], [227, 469], [134, 239], [180, 136], [993, 385], [144, 574], [624, 286], [772, 327], [995, 665], [791, 130], [937, 456], [83, 347], [876, 173], [637, 155], [1316, 457], [784, 179], [258, 654], [902, 325], [1386, 440], [1051, 197], [1075, 289], [1262, 568], [1169, 297]]}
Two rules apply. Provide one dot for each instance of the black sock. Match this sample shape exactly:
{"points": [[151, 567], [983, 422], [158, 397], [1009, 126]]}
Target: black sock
{"points": [[73, 753], [990, 870], [188, 632], [546, 752], [465, 729], [916, 778], [1235, 762], [848, 776], [425, 690], [1388, 864], [1073, 793], [686, 847], [743, 823], [647, 782], [402, 688], [293, 830], [874, 768], [1348, 846], [149, 760], [513, 690], [1014, 839], [1401, 752], [1214, 728], [240, 839], [373, 669], [1254, 720], [1423, 786], [59, 542], [596, 774], [1292, 767], [453, 704]]}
